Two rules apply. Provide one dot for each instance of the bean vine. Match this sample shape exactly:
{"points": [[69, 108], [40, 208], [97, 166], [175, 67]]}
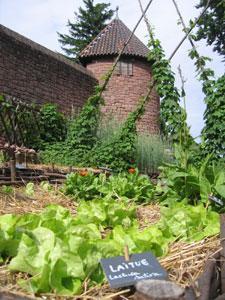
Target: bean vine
{"points": [[170, 111]]}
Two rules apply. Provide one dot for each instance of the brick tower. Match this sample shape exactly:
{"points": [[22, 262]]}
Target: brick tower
{"points": [[131, 77]]}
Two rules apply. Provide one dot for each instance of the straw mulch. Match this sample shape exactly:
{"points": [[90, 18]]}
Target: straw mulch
{"points": [[19, 203], [184, 262]]}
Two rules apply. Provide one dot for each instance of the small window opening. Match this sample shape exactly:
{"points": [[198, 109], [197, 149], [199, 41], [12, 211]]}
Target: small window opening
{"points": [[124, 68]]}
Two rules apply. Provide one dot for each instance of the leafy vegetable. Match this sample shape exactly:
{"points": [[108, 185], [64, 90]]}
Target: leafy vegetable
{"points": [[59, 251], [126, 186]]}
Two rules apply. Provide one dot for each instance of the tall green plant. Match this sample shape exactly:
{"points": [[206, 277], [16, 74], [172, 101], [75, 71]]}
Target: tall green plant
{"points": [[170, 110], [119, 152], [152, 152], [213, 133]]}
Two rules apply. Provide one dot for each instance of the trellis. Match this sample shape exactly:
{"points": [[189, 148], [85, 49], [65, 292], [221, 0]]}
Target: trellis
{"points": [[15, 121]]}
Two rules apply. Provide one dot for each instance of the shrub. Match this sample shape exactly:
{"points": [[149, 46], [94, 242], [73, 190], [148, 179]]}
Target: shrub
{"points": [[52, 124]]}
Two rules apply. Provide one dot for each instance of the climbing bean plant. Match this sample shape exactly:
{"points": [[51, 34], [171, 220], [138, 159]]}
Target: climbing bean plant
{"points": [[213, 133], [119, 153], [170, 111]]}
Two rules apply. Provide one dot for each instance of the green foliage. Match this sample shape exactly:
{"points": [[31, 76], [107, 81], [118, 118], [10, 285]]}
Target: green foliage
{"points": [[190, 223], [194, 183], [82, 145], [36, 126], [52, 123], [119, 153], [170, 110], [26, 119], [213, 133], [152, 152], [7, 189], [82, 131], [89, 22], [59, 251], [81, 135], [29, 190], [123, 186], [212, 25], [106, 213]]}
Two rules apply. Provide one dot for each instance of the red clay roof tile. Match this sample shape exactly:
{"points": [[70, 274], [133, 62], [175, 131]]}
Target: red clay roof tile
{"points": [[111, 39]]}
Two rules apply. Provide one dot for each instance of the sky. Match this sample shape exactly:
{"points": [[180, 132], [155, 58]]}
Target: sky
{"points": [[40, 20]]}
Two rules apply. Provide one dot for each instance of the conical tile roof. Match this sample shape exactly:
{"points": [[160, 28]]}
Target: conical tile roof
{"points": [[110, 41]]}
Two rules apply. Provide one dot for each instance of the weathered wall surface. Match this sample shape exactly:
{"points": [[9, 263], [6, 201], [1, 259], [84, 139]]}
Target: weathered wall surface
{"points": [[31, 72], [124, 92]]}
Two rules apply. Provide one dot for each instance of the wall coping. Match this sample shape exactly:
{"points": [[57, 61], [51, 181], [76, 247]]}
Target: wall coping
{"points": [[44, 50]]}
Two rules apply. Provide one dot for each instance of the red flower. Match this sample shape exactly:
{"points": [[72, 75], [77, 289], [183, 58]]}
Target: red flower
{"points": [[131, 170], [83, 173]]}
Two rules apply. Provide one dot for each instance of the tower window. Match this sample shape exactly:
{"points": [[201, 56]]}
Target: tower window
{"points": [[124, 68]]}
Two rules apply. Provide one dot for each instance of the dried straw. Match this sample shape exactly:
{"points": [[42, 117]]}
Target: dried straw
{"points": [[184, 261]]}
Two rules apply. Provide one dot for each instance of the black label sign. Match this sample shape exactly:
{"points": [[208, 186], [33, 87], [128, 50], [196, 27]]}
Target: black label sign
{"points": [[121, 273], [217, 200]]}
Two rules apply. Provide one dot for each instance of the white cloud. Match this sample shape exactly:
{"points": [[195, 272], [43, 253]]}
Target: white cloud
{"points": [[41, 19]]}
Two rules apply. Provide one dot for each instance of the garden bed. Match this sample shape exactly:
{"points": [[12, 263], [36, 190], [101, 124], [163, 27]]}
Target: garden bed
{"points": [[184, 262]]}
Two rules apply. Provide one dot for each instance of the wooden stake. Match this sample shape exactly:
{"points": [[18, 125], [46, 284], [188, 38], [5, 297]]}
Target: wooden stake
{"points": [[126, 253], [207, 282], [13, 169]]}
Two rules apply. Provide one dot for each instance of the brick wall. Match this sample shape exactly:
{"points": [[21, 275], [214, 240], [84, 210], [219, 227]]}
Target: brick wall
{"points": [[123, 92], [33, 73]]}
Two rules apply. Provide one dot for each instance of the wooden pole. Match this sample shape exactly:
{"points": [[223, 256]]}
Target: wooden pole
{"points": [[158, 290], [126, 253], [207, 284], [222, 253], [13, 167]]}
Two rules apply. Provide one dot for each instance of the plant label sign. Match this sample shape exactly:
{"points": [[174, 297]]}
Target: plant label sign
{"points": [[122, 273]]}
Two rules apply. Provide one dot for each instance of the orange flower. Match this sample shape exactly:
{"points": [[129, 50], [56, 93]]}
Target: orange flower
{"points": [[131, 170], [83, 173]]}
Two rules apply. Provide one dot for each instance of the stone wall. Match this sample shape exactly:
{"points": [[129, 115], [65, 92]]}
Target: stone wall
{"points": [[123, 92], [31, 72]]}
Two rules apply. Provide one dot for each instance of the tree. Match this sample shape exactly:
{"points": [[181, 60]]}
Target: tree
{"points": [[212, 26], [89, 21]]}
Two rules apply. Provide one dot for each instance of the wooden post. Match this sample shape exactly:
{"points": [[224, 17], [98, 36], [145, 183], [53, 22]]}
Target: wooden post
{"points": [[222, 253], [158, 290], [207, 282], [25, 156], [12, 166], [13, 169]]}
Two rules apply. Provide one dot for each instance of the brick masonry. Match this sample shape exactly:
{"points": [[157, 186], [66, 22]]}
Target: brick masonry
{"points": [[123, 92], [31, 72]]}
